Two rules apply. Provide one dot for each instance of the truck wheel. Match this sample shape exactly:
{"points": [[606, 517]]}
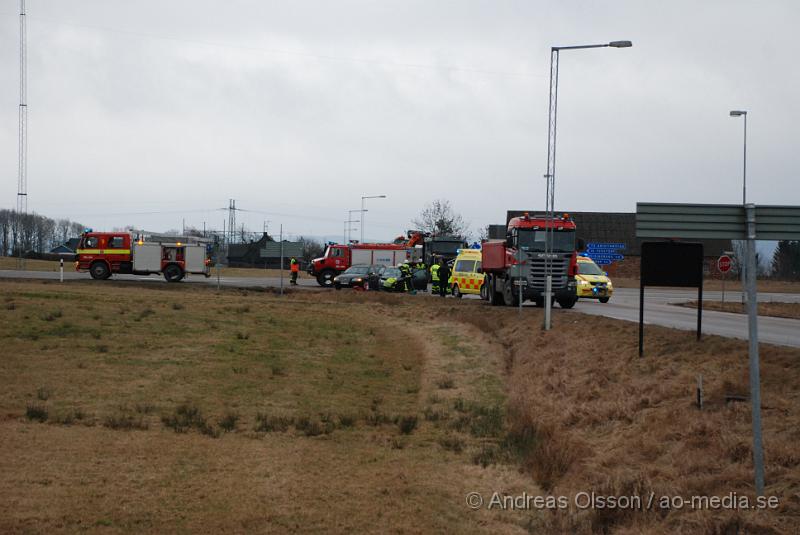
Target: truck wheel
{"points": [[509, 295], [483, 291], [495, 298], [567, 303], [99, 271], [456, 292], [325, 278], [173, 273], [604, 299]]}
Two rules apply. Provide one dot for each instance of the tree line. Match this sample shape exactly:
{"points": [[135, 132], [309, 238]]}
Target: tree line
{"points": [[33, 233]]}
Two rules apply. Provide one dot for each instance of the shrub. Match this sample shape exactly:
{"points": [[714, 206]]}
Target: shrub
{"points": [[407, 424], [267, 423], [347, 420], [184, 417], [37, 412], [228, 421], [311, 427], [125, 422]]}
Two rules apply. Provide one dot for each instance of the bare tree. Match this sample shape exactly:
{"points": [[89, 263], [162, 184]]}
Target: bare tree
{"points": [[33, 233], [6, 222], [311, 248], [439, 218]]}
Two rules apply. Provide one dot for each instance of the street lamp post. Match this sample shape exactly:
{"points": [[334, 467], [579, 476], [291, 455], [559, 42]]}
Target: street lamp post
{"points": [[551, 165], [351, 220], [363, 209], [743, 264], [347, 230], [742, 113]]}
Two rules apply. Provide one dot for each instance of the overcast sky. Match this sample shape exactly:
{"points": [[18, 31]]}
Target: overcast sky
{"points": [[149, 112]]}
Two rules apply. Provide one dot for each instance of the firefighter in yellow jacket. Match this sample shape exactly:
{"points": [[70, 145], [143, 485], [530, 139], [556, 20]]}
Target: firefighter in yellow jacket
{"points": [[435, 277]]}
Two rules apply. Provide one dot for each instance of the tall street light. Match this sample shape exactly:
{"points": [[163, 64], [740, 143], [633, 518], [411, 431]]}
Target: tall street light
{"points": [[351, 220], [347, 230], [743, 113], [551, 163], [363, 209]]}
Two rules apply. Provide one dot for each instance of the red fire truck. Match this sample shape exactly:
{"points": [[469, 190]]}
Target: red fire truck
{"points": [[104, 253], [521, 259], [338, 257]]}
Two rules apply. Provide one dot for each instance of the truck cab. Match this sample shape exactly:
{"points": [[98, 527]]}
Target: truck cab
{"points": [[523, 260], [104, 253], [335, 260]]}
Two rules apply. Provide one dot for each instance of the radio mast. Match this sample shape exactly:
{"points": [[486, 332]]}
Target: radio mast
{"points": [[22, 177]]}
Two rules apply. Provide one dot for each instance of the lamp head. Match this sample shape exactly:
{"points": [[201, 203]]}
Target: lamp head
{"points": [[620, 44], [738, 113]]}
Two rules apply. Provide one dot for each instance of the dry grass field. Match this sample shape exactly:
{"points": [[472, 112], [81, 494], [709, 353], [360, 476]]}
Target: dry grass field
{"points": [[7, 262], [179, 409], [129, 408], [777, 310]]}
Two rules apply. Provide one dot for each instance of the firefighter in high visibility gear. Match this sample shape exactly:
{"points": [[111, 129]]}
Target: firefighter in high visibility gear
{"points": [[444, 277], [405, 269], [420, 266], [389, 283], [295, 267], [435, 278]]}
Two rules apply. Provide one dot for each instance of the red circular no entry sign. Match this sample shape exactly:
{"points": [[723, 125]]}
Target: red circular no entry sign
{"points": [[724, 263]]}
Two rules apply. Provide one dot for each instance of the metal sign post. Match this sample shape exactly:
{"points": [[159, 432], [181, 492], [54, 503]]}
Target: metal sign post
{"points": [[217, 261], [752, 338], [61, 268], [723, 266]]}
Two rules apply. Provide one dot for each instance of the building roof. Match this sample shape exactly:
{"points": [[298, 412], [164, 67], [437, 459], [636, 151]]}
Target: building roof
{"points": [[68, 247]]}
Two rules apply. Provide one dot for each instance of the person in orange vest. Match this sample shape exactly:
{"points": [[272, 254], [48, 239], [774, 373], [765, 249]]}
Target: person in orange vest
{"points": [[295, 267]]}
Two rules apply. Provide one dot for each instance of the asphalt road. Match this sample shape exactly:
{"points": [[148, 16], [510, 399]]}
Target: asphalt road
{"points": [[624, 305]]}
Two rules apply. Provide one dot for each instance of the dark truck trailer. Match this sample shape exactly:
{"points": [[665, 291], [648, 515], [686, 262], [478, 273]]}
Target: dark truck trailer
{"points": [[437, 247]]}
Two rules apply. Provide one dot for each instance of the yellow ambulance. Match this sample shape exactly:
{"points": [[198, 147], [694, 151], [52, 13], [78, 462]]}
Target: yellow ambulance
{"points": [[467, 276], [592, 282]]}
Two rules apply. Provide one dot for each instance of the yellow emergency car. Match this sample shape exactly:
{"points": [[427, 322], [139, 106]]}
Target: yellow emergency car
{"points": [[467, 276], [592, 282]]}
